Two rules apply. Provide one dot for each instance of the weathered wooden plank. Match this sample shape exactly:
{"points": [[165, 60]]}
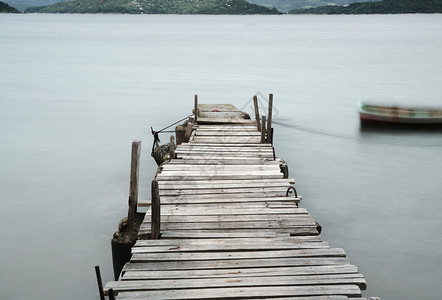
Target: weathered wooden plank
{"points": [[238, 168], [226, 209], [194, 211], [227, 140], [224, 161], [218, 106], [191, 256], [226, 148], [220, 133], [226, 130], [245, 292], [283, 242], [286, 224], [214, 155], [220, 144], [134, 272], [224, 191], [162, 177], [146, 285], [244, 154], [210, 199], [234, 233], [219, 183], [225, 198], [300, 219], [216, 234], [223, 158], [240, 263], [203, 120]]}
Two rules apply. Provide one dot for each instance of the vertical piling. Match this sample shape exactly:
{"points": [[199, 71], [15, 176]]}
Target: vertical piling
{"points": [[263, 129], [196, 108], [111, 294], [172, 147], [189, 128], [269, 120], [155, 211], [134, 175], [255, 104], [100, 283]]}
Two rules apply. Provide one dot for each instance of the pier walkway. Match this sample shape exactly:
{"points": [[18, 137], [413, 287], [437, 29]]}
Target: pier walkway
{"points": [[228, 228]]}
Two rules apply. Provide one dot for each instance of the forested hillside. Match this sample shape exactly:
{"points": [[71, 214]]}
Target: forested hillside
{"points": [[5, 8], [383, 7], [287, 5], [236, 7]]}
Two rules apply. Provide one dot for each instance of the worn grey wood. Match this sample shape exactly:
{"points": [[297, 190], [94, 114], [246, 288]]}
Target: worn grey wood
{"points": [[246, 292], [217, 198], [134, 271], [172, 147], [225, 121], [227, 234], [188, 131], [269, 120], [155, 211], [255, 105], [134, 178], [228, 230], [300, 220], [241, 282], [195, 108], [263, 130], [229, 182]]}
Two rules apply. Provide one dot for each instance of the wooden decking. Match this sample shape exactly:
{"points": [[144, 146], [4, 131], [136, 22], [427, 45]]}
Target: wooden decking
{"points": [[228, 229]]}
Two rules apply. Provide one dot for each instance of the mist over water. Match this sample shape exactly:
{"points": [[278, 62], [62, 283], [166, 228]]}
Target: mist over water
{"points": [[75, 90]]}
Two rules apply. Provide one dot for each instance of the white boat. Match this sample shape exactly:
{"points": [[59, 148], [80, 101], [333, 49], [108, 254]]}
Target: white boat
{"points": [[370, 113]]}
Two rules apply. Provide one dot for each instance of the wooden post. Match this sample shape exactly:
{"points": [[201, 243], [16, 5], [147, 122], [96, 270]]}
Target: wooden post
{"points": [[196, 107], [255, 104], [111, 294], [263, 129], [269, 119], [188, 130], [172, 147], [134, 174], [100, 283], [155, 211]]}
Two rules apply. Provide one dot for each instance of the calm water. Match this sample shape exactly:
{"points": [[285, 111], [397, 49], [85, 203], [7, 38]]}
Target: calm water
{"points": [[76, 90]]}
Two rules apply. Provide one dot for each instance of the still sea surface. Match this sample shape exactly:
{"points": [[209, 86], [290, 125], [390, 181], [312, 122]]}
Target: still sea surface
{"points": [[75, 90]]}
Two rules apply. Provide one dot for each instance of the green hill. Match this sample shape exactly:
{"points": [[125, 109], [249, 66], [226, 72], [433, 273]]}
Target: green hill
{"points": [[211, 7], [287, 5], [5, 8], [382, 7]]}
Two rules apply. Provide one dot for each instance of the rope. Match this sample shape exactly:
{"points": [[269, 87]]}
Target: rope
{"points": [[159, 131], [335, 135], [156, 139]]}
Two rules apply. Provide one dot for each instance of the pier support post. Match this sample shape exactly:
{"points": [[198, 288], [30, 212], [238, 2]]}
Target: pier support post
{"points": [[172, 147], [269, 120], [100, 283], [188, 130], [111, 294], [263, 129], [134, 175], [155, 211], [255, 104], [196, 108]]}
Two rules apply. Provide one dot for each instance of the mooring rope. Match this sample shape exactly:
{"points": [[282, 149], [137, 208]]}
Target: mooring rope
{"points": [[346, 137], [156, 139]]}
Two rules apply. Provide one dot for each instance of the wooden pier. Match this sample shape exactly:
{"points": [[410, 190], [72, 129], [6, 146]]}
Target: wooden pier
{"points": [[228, 227]]}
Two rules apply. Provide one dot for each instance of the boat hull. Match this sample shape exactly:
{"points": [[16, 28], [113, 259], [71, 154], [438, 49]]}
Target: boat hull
{"points": [[397, 115]]}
